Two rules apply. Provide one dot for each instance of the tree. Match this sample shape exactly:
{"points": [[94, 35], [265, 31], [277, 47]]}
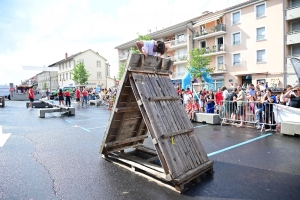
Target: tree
{"points": [[198, 63], [121, 71], [80, 74], [44, 86]]}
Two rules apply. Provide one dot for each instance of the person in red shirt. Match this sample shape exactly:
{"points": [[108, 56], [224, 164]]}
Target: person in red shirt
{"points": [[84, 97], [218, 100], [195, 109], [60, 95], [188, 108], [189, 91], [31, 98], [77, 95], [68, 98]]}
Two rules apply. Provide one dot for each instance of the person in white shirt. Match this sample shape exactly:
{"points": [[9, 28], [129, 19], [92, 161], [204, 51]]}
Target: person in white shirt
{"points": [[152, 47], [186, 97], [226, 101]]}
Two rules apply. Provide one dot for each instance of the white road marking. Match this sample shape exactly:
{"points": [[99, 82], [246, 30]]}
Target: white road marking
{"points": [[3, 137], [97, 127]]}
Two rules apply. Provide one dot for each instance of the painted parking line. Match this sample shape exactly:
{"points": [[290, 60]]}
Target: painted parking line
{"points": [[239, 144], [200, 126], [85, 129], [73, 120]]}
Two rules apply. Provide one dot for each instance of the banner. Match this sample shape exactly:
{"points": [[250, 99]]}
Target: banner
{"points": [[286, 113]]}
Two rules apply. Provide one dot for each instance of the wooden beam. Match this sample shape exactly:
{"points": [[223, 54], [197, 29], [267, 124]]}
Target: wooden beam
{"points": [[125, 141], [127, 109], [126, 147], [177, 133], [163, 98]]}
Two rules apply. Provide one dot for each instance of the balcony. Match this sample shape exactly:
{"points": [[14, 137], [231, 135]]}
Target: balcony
{"points": [[220, 29], [179, 59], [215, 50], [293, 37], [178, 43], [293, 12], [178, 75], [123, 56], [220, 69]]}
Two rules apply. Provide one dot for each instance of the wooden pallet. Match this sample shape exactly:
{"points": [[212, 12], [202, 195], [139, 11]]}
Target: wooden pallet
{"points": [[147, 102]]}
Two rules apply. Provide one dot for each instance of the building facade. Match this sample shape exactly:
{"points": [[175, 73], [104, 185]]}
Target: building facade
{"points": [[96, 65], [248, 43]]}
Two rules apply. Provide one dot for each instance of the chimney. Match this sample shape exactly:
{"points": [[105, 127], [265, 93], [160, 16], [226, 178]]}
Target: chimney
{"points": [[66, 56]]}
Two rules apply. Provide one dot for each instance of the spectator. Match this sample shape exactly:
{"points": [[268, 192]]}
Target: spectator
{"points": [[266, 85], [202, 99], [60, 95], [47, 94], [282, 99], [188, 109], [232, 86], [186, 97], [195, 109], [232, 110], [218, 99], [251, 90], [84, 97], [294, 96], [261, 86], [288, 89], [210, 102], [189, 91], [268, 100], [296, 83], [241, 99], [225, 95], [258, 109], [77, 95], [180, 95]]}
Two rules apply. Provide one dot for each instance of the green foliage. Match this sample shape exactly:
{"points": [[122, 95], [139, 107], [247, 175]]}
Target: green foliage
{"points": [[121, 71], [134, 50], [139, 38], [44, 86], [198, 63], [80, 74]]}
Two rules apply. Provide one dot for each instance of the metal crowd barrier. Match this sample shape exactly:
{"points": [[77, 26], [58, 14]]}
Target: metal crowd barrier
{"points": [[250, 112]]}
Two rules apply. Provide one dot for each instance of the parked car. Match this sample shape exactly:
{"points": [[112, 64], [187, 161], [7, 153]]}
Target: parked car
{"points": [[53, 94]]}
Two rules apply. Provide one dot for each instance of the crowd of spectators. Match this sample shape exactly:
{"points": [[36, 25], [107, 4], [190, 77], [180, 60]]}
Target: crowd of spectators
{"points": [[242, 100]]}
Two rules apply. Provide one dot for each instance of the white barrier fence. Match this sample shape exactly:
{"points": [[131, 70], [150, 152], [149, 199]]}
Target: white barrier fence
{"points": [[263, 115]]}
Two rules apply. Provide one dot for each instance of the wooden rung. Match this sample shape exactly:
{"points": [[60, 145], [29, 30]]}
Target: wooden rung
{"points": [[177, 133], [125, 141], [126, 109], [152, 159], [126, 147], [147, 150], [163, 98]]}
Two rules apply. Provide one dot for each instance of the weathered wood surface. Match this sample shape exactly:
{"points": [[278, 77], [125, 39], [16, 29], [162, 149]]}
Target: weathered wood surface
{"points": [[147, 102]]}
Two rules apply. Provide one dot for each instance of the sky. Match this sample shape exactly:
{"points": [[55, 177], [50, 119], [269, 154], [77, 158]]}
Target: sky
{"points": [[39, 33]]}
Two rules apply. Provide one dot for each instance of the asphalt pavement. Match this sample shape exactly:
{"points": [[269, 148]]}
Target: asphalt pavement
{"points": [[57, 158]]}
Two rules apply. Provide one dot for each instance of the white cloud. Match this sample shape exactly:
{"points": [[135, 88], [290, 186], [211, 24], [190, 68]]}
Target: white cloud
{"points": [[51, 29]]}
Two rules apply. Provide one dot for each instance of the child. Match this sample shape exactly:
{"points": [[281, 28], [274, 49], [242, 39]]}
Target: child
{"points": [[195, 109]]}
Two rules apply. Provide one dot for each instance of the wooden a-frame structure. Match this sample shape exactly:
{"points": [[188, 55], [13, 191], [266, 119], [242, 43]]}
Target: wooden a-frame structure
{"points": [[147, 102]]}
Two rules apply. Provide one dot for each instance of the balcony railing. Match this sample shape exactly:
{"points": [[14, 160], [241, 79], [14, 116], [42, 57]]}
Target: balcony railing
{"points": [[291, 6], [176, 42], [217, 28], [215, 49], [220, 67], [179, 58], [123, 56], [178, 75], [293, 32], [260, 60]]}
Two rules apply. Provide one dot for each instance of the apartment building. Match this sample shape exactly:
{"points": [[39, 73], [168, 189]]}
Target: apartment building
{"points": [[95, 64], [250, 42]]}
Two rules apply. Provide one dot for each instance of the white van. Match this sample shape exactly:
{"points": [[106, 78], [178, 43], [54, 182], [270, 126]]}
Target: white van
{"points": [[4, 90]]}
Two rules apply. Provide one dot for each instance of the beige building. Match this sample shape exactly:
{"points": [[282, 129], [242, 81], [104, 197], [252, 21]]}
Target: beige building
{"points": [[95, 64], [249, 42], [47, 78]]}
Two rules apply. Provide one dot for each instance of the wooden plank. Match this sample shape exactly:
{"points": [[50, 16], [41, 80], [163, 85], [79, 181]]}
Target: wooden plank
{"points": [[146, 150], [152, 159], [158, 127], [125, 147], [187, 162], [148, 71], [198, 170], [148, 124], [173, 150], [127, 109], [142, 162], [177, 133], [124, 141], [163, 98]]}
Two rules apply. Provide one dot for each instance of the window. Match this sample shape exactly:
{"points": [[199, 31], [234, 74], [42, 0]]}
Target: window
{"points": [[70, 76], [295, 50], [260, 56], [236, 17], [236, 38], [66, 76], [63, 77], [99, 75], [218, 84], [294, 3], [202, 44], [59, 68], [220, 63], [236, 59], [98, 63], [260, 33], [260, 10], [295, 27]]}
